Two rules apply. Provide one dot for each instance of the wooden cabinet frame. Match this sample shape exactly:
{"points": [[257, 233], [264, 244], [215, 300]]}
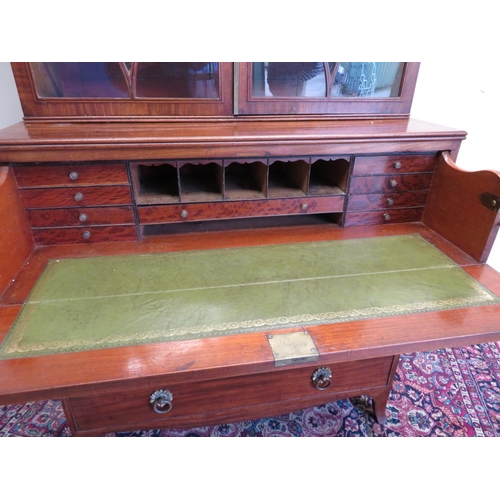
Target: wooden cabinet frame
{"points": [[235, 99], [336, 107], [53, 173], [79, 109]]}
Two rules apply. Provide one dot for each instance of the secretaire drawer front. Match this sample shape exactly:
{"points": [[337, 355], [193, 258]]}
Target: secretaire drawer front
{"points": [[71, 175], [390, 183], [233, 209], [361, 202], [209, 397], [74, 235], [377, 165], [61, 217], [78, 196], [383, 217]]}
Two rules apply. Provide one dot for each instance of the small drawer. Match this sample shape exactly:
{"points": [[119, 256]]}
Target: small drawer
{"points": [[366, 202], [197, 401], [80, 216], [390, 183], [383, 217], [98, 234], [77, 196], [71, 175], [380, 165], [239, 209]]}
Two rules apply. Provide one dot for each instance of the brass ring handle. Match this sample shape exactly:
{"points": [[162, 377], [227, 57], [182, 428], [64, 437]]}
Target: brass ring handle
{"points": [[161, 401], [322, 378]]}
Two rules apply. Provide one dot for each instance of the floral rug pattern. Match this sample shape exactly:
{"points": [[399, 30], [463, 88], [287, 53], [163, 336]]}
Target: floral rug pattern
{"points": [[450, 392]]}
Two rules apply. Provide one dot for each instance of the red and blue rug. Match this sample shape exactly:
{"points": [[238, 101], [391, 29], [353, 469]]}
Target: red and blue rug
{"points": [[450, 392]]}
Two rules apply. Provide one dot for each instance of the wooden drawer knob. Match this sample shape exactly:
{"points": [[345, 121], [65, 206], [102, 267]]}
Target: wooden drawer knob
{"points": [[161, 400], [322, 378]]}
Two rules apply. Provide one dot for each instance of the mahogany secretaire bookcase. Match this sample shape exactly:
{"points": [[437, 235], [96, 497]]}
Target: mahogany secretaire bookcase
{"points": [[196, 243]]}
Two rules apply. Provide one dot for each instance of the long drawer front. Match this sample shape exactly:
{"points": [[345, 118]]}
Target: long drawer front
{"points": [[218, 400], [158, 214]]}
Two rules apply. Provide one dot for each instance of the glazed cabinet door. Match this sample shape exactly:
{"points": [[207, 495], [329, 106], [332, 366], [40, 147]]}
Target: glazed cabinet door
{"points": [[334, 88], [124, 89]]}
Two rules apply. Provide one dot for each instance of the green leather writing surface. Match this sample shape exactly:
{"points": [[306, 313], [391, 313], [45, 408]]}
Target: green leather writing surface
{"points": [[92, 303]]}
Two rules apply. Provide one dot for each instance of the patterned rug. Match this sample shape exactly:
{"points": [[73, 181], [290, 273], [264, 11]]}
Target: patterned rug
{"points": [[450, 392]]}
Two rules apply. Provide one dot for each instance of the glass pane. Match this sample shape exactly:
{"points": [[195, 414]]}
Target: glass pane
{"points": [[288, 79], [368, 79], [96, 79], [182, 80]]}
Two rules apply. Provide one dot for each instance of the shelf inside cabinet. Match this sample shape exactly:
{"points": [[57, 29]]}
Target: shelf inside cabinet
{"points": [[245, 180], [155, 183], [200, 181], [329, 176], [288, 178]]}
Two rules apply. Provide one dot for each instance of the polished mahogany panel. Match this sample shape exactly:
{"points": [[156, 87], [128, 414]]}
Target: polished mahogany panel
{"points": [[80, 216], [71, 175], [16, 241], [195, 402], [78, 196], [463, 206], [383, 216], [393, 164], [360, 202], [239, 209], [97, 234], [390, 184]]}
